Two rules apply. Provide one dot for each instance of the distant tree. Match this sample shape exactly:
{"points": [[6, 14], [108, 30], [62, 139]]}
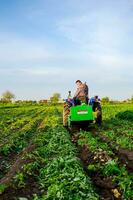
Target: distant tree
{"points": [[55, 98], [7, 96], [105, 100]]}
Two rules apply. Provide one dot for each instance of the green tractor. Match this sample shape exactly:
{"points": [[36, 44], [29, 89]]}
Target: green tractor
{"points": [[76, 117]]}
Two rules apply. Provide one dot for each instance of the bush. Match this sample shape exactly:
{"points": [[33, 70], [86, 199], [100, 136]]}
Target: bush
{"points": [[126, 115]]}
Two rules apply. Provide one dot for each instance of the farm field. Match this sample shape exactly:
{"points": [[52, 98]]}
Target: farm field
{"points": [[40, 159]]}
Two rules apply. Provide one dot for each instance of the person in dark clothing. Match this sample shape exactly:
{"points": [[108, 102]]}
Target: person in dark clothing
{"points": [[95, 102]]}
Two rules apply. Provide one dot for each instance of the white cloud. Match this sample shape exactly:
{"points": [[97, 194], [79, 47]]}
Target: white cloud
{"points": [[98, 29], [103, 38], [113, 62], [39, 72], [14, 49]]}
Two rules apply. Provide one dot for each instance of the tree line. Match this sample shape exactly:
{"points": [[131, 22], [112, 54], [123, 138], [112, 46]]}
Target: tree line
{"points": [[8, 97]]}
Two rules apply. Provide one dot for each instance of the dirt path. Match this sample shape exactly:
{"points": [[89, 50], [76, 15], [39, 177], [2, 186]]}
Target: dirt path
{"points": [[19, 161], [125, 156], [105, 187], [31, 184]]}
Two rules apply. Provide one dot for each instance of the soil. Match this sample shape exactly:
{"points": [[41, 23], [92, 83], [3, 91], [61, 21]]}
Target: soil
{"points": [[31, 183], [125, 156], [6, 162], [104, 186], [16, 165], [27, 192]]}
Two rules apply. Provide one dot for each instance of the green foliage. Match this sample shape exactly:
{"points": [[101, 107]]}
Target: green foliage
{"points": [[132, 99], [7, 96], [62, 175], [126, 115], [92, 168], [31, 167], [55, 98], [105, 100], [111, 168], [2, 188], [54, 163], [20, 179]]}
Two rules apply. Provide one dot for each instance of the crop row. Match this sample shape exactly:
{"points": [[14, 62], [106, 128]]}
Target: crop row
{"points": [[48, 166], [52, 165], [9, 115], [103, 163], [118, 124]]}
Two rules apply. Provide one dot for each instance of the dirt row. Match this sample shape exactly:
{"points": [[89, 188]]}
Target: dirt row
{"points": [[125, 156], [105, 187], [13, 163], [31, 185]]}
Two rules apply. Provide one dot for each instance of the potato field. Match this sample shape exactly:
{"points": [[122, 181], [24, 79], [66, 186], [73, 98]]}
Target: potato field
{"points": [[41, 160]]}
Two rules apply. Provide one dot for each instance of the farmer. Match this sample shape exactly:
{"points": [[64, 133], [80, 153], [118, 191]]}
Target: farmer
{"points": [[81, 94]]}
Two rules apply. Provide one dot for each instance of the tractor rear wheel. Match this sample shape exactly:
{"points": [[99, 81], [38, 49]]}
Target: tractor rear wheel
{"points": [[66, 111]]}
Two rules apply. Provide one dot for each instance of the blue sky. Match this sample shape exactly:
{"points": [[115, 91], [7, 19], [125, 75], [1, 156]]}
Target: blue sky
{"points": [[45, 45]]}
